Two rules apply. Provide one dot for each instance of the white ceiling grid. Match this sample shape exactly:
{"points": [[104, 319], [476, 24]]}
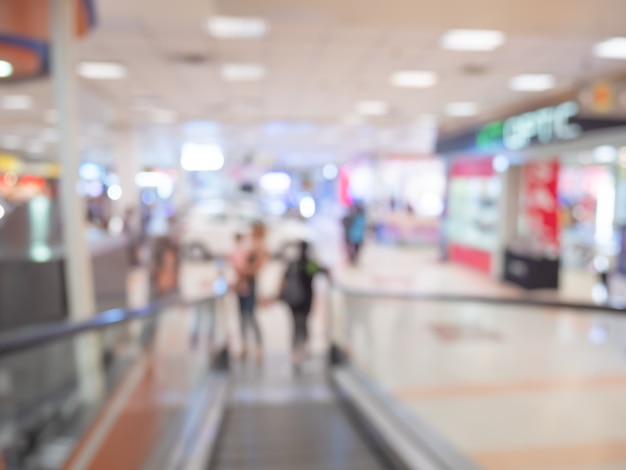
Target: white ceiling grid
{"points": [[323, 56]]}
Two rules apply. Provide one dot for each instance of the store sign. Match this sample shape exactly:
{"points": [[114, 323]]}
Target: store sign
{"points": [[544, 126], [541, 208]]}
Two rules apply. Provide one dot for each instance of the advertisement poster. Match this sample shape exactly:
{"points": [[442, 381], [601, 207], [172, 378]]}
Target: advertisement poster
{"points": [[541, 209], [472, 220]]}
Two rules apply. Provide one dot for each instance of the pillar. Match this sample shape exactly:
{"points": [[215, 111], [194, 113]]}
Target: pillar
{"points": [[78, 271]]}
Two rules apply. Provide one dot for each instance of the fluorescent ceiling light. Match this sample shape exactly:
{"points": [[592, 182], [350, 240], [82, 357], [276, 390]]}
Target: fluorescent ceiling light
{"points": [[16, 102], [10, 142], [152, 179], [49, 136], [51, 116], [231, 27], [372, 108], [462, 109], [276, 182], [472, 40], [427, 120], [145, 102], [532, 82], [614, 48], [414, 79], [6, 69], [352, 119], [102, 70], [201, 157], [163, 116], [35, 147], [243, 72]]}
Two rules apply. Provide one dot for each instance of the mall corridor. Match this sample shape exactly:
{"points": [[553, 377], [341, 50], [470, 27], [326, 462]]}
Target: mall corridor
{"points": [[312, 235]]}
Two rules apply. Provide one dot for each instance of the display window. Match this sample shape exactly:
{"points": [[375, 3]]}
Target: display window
{"points": [[472, 219], [586, 212]]}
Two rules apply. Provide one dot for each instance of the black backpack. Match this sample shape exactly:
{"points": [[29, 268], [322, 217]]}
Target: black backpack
{"points": [[294, 291]]}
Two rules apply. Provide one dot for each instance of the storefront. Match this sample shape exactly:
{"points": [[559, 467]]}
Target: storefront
{"points": [[536, 193], [403, 194]]}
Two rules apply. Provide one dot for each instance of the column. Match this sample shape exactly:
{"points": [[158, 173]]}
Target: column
{"points": [[78, 271], [508, 210]]}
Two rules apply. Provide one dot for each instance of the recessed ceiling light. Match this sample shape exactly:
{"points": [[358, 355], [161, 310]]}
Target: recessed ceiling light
{"points": [[163, 116], [372, 108], [10, 142], [472, 40], [614, 48], [243, 72], [51, 116], [16, 102], [462, 109], [49, 136], [532, 82], [414, 79], [6, 69], [145, 102], [102, 70], [428, 120], [231, 27], [35, 147], [201, 157]]}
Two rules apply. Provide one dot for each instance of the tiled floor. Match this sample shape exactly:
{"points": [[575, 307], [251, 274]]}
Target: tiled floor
{"points": [[511, 387], [415, 269]]}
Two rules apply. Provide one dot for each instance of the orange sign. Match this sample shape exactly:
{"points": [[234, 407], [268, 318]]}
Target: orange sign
{"points": [[25, 31], [602, 97]]}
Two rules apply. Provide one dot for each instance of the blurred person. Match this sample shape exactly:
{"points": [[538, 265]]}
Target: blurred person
{"points": [[255, 258], [346, 222], [297, 293], [238, 259], [164, 274], [166, 266], [356, 233], [131, 231]]}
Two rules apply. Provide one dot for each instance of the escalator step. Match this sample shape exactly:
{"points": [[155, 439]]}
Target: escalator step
{"points": [[303, 436]]}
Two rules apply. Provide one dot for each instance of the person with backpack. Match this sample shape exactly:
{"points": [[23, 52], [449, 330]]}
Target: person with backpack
{"points": [[297, 293], [356, 233]]}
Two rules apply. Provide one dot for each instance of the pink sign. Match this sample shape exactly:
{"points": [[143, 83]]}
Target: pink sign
{"points": [[541, 181]]}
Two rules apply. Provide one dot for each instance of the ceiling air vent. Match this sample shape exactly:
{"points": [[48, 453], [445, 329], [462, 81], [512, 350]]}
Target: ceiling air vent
{"points": [[190, 58], [474, 69]]}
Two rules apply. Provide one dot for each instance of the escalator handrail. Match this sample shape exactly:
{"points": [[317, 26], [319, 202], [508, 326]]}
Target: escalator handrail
{"points": [[27, 338], [525, 301]]}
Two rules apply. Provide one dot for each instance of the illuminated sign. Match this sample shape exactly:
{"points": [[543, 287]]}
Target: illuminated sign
{"points": [[543, 126]]}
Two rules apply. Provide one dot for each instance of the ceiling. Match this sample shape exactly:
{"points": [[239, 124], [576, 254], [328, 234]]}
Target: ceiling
{"points": [[322, 57]]}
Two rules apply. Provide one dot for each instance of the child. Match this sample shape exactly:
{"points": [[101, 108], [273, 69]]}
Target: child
{"points": [[238, 259]]}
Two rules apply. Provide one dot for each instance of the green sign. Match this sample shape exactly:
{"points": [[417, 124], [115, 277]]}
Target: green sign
{"points": [[490, 136], [542, 126]]}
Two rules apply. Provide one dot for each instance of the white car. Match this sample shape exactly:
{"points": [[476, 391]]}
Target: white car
{"points": [[210, 228]]}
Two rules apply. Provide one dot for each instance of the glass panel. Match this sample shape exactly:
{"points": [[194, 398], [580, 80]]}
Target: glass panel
{"points": [[43, 410], [509, 386]]}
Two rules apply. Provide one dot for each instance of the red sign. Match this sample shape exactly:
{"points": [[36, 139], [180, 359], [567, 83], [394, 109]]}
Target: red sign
{"points": [[472, 167], [541, 208], [472, 257]]}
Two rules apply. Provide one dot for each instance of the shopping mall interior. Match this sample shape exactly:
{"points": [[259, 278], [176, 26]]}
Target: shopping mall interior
{"points": [[312, 235]]}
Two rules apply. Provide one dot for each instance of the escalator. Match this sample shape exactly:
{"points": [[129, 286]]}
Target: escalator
{"points": [[174, 401], [307, 436]]}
